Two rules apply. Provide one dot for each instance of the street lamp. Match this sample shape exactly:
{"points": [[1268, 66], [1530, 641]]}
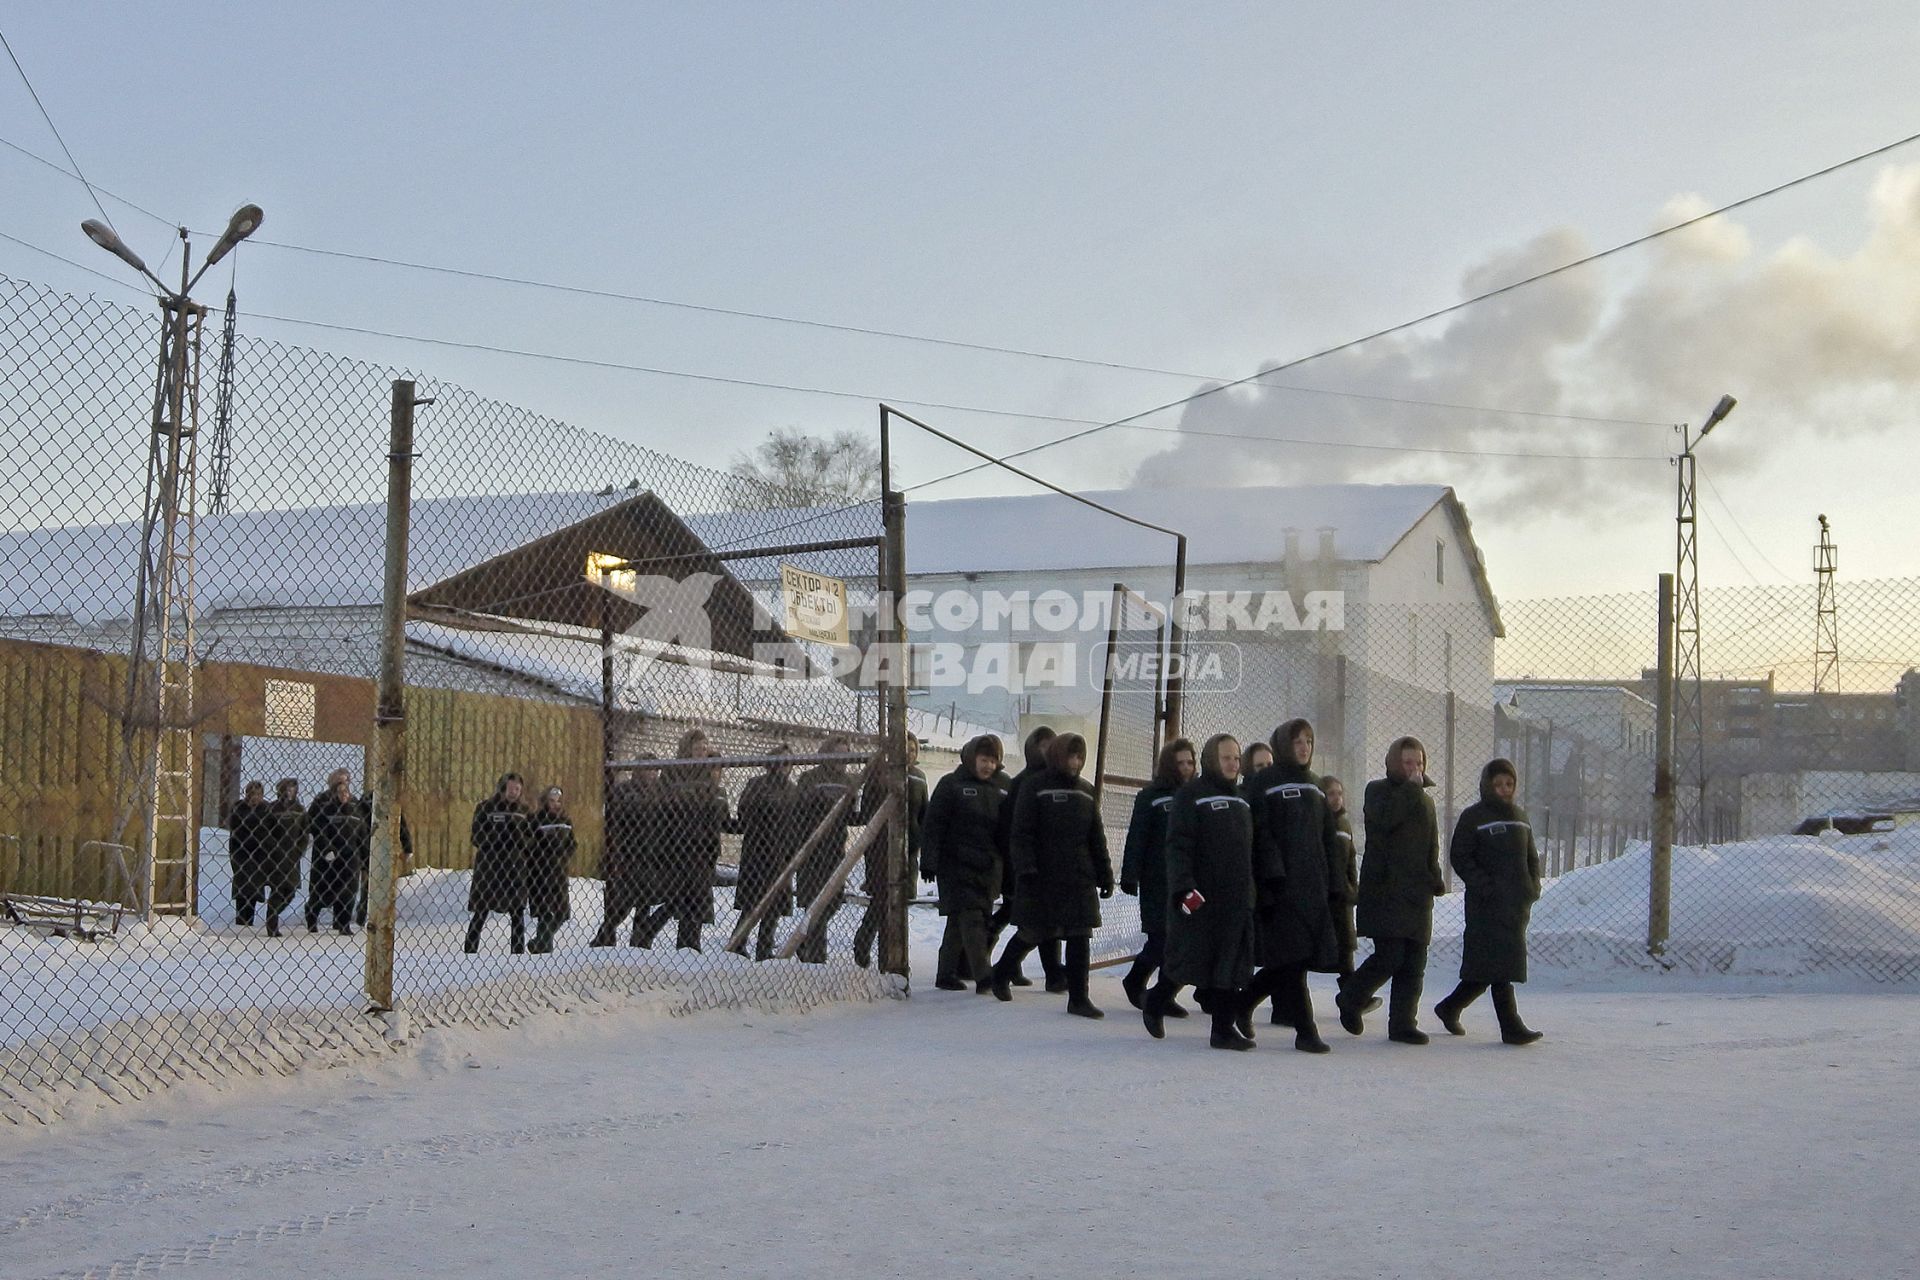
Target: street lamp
{"points": [[1689, 707], [157, 719]]}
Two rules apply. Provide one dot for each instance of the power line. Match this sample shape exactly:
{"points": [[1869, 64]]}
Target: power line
{"points": [[493, 349], [1742, 530], [861, 330], [48, 253], [117, 198], [1399, 448], [1446, 310], [65, 150]]}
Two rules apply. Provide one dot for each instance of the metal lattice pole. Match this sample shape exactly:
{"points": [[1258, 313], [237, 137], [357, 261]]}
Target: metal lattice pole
{"points": [[1826, 618]]}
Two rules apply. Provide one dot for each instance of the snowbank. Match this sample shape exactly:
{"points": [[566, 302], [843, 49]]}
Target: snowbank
{"points": [[1783, 906]]}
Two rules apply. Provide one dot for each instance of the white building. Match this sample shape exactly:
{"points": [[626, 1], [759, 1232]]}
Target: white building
{"points": [[1365, 608]]}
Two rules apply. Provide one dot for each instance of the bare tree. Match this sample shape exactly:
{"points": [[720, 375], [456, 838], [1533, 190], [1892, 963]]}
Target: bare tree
{"points": [[793, 469]]}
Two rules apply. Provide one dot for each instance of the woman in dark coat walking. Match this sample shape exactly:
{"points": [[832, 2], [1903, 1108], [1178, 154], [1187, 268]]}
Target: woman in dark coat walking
{"points": [[1034, 753], [1143, 866], [339, 829], [626, 832], [958, 851], [288, 848], [1494, 856], [822, 788], [250, 832], [1061, 871], [873, 794], [502, 836], [1296, 860], [691, 813], [1210, 892], [549, 887], [768, 822], [1346, 885], [1399, 879]]}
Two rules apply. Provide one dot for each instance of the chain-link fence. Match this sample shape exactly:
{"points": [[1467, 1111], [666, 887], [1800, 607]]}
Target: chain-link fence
{"points": [[189, 635]]}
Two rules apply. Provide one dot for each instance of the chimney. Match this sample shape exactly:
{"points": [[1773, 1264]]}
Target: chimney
{"points": [[1327, 554], [1291, 557]]}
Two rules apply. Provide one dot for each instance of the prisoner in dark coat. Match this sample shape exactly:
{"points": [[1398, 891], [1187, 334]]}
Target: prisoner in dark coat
{"points": [[1210, 852], [691, 814], [286, 852], [873, 794], [1034, 754], [822, 788], [1494, 855], [1143, 863], [957, 849], [549, 860], [339, 829], [768, 823], [1296, 857], [502, 837], [1399, 879], [1345, 889], [623, 852], [1060, 860], [1400, 875], [1061, 870], [250, 834]]}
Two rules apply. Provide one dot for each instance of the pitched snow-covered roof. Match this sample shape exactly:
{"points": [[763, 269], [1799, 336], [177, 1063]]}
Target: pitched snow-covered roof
{"points": [[303, 557]]}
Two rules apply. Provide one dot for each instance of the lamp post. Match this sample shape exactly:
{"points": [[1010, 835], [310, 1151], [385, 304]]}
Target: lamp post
{"points": [[157, 715], [1689, 699]]}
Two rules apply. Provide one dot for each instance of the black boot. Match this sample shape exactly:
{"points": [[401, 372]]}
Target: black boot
{"points": [[1153, 1010], [1403, 1016], [1079, 955], [244, 916], [1512, 1029], [1058, 980], [603, 936], [1006, 967], [1450, 1009], [1225, 1035], [1306, 1038], [472, 943], [517, 937], [273, 926], [542, 939], [1350, 1020], [1135, 984], [1173, 1008]]}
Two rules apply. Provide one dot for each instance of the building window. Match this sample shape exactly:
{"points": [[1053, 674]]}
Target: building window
{"points": [[611, 572], [1440, 562], [289, 709]]}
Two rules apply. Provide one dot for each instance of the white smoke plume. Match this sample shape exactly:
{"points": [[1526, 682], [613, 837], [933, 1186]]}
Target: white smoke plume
{"points": [[1830, 342]]}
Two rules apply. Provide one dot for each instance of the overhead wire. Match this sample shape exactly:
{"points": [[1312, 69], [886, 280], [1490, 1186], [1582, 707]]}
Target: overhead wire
{"points": [[1436, 314], [865, 330], [55, 129]]}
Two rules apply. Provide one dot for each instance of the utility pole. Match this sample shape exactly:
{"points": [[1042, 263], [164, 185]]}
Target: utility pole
{"points": [[1690, 727], [157, 715], [1826, 614]]}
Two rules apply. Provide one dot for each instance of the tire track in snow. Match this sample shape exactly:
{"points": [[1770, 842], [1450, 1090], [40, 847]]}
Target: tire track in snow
{"points": [[221, 1246], [439, 1149]]}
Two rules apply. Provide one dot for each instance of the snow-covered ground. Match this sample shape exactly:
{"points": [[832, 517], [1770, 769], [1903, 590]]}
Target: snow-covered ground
{"points": [[181, 1001], [1661, 1134]]}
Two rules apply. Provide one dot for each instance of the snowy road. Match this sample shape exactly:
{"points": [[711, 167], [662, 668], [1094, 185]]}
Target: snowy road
{"points": [[1651, 1134]]}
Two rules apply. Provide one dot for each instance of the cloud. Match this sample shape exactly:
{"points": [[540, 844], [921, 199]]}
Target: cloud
{"points": [[1829, 342]]}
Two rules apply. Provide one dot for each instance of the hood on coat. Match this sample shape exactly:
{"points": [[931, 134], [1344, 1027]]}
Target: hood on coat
{"points": [[1494, 769], [1282, 740], [1393, 758]]}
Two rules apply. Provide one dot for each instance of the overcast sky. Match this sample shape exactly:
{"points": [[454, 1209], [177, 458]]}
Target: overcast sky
{"points": [[1207, 189]]}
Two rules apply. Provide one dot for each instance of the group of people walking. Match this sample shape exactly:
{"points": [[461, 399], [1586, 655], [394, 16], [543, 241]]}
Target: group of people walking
{"points": [[267, 841], [1248, 878], [663, 842]]}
